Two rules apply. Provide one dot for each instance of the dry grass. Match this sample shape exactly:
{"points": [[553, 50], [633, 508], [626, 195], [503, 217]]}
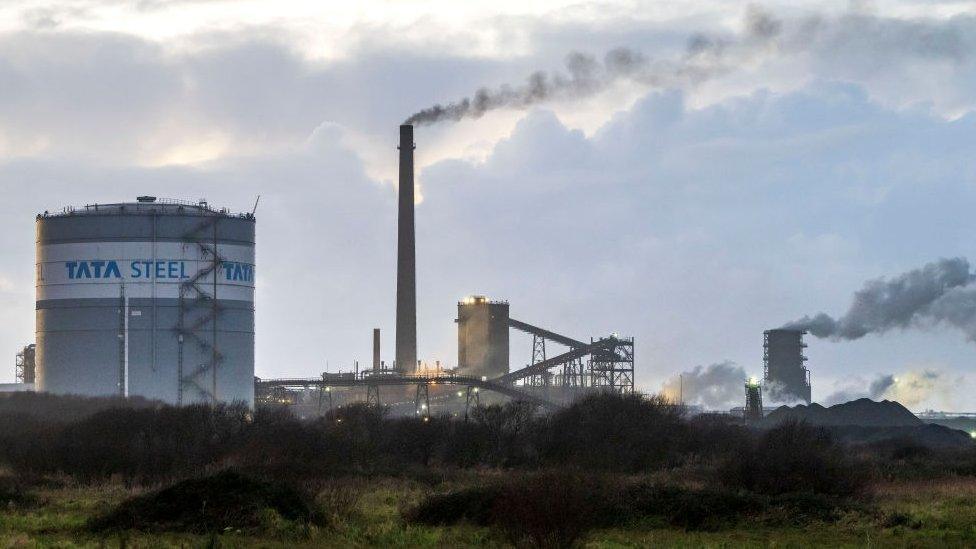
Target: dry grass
{"points": [[951, 487], [916, 514]]}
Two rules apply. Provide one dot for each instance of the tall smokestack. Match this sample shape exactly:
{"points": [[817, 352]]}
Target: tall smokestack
{"points": [[406, 310], [376, 349]]}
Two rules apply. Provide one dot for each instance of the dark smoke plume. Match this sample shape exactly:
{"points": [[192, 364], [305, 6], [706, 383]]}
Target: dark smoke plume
{"points": [[865, 40], [585, 75], [938, 293]]}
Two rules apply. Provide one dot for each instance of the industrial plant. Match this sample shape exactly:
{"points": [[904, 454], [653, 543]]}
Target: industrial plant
{"points": [[483, 364], [155, 298]]}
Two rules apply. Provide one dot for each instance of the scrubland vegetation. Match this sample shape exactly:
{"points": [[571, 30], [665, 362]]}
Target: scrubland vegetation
{"points": [[608, 471]]}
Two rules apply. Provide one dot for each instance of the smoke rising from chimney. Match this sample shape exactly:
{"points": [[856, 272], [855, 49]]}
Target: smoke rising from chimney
{"points": [[937, 293], [586, 76], [869, 40]]}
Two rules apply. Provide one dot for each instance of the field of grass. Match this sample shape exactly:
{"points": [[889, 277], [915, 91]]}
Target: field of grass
{"points": [[914, 514]]}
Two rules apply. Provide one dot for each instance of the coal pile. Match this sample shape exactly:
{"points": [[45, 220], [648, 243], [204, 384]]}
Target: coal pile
{"points": [[862, 412], [865, 421]]}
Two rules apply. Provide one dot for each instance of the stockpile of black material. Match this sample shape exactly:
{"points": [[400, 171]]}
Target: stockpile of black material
{"points": [[868, 421], [862, 412]]}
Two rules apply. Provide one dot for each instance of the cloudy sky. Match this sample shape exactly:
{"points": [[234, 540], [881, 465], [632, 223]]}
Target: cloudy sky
{"points": [[760, 163]]}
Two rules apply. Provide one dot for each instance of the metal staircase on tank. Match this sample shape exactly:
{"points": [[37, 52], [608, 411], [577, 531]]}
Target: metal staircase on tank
{"points": [[194, 297]]}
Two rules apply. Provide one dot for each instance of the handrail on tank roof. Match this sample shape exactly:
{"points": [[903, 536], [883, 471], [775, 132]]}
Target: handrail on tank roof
{"points": [[141, 204]]}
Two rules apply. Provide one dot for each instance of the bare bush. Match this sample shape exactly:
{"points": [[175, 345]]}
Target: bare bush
{"points": [[794, 457], [617, 432]]}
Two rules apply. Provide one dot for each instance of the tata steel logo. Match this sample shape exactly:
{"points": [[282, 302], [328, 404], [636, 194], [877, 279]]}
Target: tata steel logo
{"points": [[152, 270]]}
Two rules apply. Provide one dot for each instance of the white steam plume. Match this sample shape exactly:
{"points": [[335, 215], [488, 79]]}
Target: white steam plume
{"points": [[911, 389]]}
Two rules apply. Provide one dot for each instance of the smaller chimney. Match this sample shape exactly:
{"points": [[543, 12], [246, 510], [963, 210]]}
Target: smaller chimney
{"points": [[376, 349]]}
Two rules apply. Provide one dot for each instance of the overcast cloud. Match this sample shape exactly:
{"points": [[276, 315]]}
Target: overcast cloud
{"points": [[690, 216]]}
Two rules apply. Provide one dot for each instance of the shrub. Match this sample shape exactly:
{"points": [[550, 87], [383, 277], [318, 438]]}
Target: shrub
{"points": [[147, 444], [617, 433], [508, 431], [553, 509], [336, 500], [14, 494], [558, 508], [901, 459], [465, 444], [794, 457], [473, 505], [705, 509], [209, 504]]}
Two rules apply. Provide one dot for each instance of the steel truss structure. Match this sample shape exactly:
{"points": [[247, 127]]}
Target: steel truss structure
{"points": [[610, 363], [605, 364], [24, 369], [266, 389]]}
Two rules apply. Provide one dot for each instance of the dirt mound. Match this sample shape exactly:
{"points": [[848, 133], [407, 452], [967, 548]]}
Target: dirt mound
{"points": [[209, 504], [861, 412]]}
